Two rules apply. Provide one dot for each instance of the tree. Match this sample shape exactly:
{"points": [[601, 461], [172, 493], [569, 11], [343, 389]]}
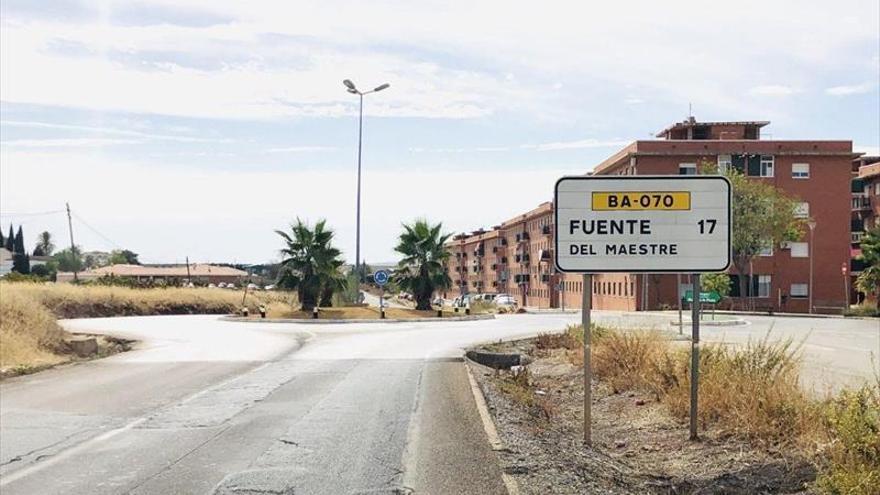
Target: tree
{"points": [[69, 260], [311, 263], [45, 246], [124, 257], [422, 270], [716, 282], [763, 217], [20, 260], [869, 280], [10, 240]]}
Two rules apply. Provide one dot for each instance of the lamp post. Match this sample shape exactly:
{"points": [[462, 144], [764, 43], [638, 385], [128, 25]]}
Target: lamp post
{"points": [[812, 225], [350, 87]]}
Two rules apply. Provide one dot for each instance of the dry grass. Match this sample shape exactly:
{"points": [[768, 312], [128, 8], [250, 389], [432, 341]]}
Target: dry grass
{"points": [[750, 392], [76, 301], [29, 335]]}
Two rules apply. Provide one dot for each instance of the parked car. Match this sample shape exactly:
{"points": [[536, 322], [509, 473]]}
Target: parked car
{"points": [[438, 301], [505, 301], [484, 297], [253, 287], [462, 301]]}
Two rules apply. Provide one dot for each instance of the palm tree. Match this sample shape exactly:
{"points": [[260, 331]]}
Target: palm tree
{"points": [[422, 271], [44, 244], [311, 263]]}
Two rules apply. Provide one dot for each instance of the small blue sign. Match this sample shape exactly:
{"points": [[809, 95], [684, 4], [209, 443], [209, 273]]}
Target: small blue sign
{"points": [[381, 277]]}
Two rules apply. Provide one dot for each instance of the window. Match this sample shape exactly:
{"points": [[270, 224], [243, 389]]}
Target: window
{"points": [[767, 165], [800, 170], [877, 189], [799, 249], [767, 251], [763, 285], [802, 210], [725, 162], [687, 169], [800, 290]]}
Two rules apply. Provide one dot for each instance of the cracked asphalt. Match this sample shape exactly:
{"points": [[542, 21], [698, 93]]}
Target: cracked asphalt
{"points": [[203, 405]]}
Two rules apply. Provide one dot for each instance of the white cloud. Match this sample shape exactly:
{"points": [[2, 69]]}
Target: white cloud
{"points": [[198, 208], [110, 130], [498, 56], [854, 89], [579, 144], [773, 90], [300, 149], [67, 142]]}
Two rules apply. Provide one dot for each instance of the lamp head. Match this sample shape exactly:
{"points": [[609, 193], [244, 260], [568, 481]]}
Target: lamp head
{"points": [[380, 88], [348, 84]]}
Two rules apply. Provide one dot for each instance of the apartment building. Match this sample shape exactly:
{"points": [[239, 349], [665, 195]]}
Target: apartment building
{"points": [[818, 173], [865, 212]]}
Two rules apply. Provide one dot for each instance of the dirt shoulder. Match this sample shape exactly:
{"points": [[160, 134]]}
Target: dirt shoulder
{"points": [[638, 447]]}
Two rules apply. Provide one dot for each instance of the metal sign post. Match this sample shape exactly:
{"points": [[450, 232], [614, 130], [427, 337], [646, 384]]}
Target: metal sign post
{"points": [[695, 354], [642, 225], [586, 307], [381, 278]]}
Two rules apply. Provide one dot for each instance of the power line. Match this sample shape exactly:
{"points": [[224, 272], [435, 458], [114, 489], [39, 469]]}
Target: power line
{"points": [[99, 234], [30, 214]]}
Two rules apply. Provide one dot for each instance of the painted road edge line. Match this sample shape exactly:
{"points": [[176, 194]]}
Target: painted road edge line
{"points": [[489, 427]]}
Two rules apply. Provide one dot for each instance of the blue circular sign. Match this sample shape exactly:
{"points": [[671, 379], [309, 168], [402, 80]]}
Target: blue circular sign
{"points": [[381, 277]]}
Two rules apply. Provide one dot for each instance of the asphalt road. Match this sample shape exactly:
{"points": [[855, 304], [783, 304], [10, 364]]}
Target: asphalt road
{"points": [[208, 406]]}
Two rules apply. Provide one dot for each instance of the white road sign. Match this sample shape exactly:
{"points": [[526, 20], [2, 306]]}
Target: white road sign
{"points": [[642, 224]]}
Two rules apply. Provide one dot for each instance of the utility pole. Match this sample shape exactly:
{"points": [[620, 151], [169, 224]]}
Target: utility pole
{"points": [[72, 247], [188, 277]]}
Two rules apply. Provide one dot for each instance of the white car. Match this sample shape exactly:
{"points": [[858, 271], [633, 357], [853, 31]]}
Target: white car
{"points": [[505, 301]]}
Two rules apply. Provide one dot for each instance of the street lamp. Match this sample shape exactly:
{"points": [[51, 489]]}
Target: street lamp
{"points": [[351, 88], [812, 225]]}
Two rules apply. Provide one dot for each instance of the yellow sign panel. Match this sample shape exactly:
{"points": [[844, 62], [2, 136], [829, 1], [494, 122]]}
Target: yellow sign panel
{"points": [[642, 200]]}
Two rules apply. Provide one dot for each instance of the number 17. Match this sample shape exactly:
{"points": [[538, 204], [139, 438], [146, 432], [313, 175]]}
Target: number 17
{"points": [[710, 223]]}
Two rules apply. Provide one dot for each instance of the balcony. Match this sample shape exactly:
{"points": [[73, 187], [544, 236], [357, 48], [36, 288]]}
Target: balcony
{"points": [[861, 202], [856, 237]]}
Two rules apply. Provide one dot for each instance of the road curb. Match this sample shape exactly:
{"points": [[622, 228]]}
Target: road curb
{"points": [[712, 323], [313, 321], [489, 427]]}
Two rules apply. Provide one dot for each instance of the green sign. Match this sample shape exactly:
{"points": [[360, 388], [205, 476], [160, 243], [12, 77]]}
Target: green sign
{"points": [[705, 297]]}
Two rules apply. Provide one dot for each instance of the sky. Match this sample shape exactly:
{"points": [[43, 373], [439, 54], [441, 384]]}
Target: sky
{"points": [[196, 128]]}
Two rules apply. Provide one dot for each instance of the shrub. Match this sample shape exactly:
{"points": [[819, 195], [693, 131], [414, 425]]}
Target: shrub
{"points": [[853, 460], [863, 309], [628, 360], [482, 307]]}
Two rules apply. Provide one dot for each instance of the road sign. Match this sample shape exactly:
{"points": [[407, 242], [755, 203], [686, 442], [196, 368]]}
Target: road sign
{"points": [[642, 224], [705, 297], [381, 277]]}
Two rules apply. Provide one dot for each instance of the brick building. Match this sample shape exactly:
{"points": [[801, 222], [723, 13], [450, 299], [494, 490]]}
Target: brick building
{"points": [[818, 173], [865, 211]]}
